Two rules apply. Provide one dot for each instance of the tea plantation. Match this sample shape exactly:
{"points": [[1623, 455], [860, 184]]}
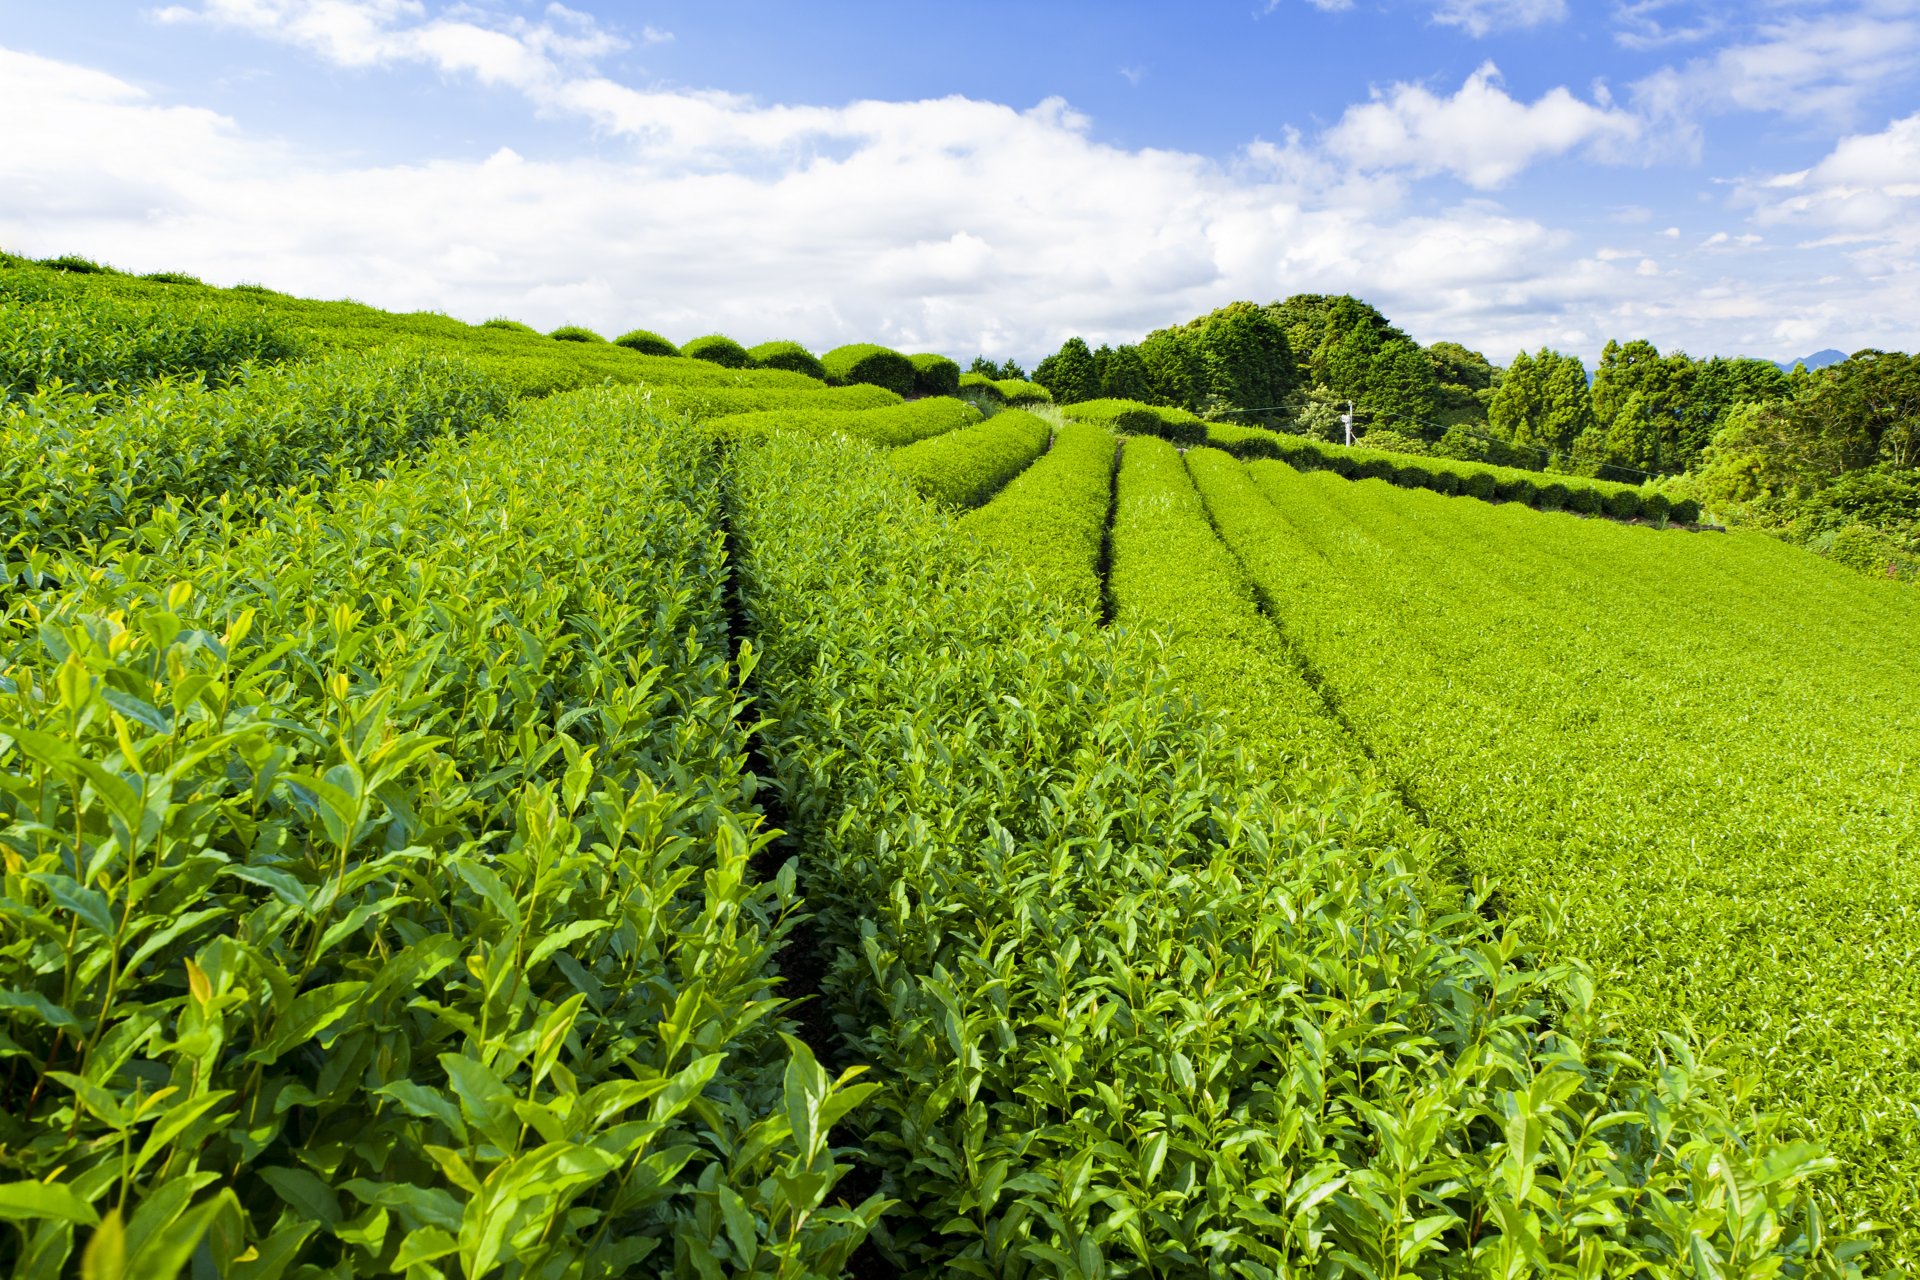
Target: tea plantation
{"points": [[476, 803]]}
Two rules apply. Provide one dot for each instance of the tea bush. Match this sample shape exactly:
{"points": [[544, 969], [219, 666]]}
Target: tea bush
{"points": [[964, 468], [866, 362]]}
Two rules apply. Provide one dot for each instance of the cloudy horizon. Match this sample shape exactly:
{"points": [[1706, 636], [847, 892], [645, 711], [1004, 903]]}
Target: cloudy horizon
{"points": [[1726, 179]]}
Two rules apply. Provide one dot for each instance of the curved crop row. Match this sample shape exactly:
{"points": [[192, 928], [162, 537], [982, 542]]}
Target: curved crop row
{"points": [[382, 874], [1142, 1017], [722, 401], [965, 468], [1052, 518], [1544, 490], [888, 426], [75, 474]]}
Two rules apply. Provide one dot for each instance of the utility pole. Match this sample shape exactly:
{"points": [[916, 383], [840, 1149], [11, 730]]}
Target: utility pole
{"points": [[1346, 421]]}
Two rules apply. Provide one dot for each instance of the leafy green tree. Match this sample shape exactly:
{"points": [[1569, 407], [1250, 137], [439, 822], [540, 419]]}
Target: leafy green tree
{"points": [[1542, 406], [1124, 376], [1175, 368], [1070, 373], [1464, 383], [1007, 368]]}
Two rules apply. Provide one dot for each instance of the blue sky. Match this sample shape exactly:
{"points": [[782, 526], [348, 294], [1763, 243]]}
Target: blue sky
{"points": [[1728, 178]]}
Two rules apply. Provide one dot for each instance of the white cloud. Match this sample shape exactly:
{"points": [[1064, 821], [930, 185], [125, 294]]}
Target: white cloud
{"points": [[952, 224], [1481, 134], [1866, 190], [1824, 66], [1482, 17], [1639, 26]]}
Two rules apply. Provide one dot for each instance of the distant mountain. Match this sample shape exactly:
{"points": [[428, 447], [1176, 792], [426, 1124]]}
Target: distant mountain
{"points": [[1818, 360]]}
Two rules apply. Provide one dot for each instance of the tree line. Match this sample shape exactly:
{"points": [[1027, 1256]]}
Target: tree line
{"points": [[1741, 434]]}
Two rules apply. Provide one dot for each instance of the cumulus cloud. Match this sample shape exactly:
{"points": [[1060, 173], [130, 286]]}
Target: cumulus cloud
{"points": [[950, 224], [1480, 134], [1865, 191]]}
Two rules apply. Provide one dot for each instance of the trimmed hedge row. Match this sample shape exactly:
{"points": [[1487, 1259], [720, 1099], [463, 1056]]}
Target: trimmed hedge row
{"points": [[868, 362], [787, 355], [1544, 490], [1015, 392], [965, 468], [575, 333], [1052, 518], [889, 426], [1131, 417], [935, 375]]}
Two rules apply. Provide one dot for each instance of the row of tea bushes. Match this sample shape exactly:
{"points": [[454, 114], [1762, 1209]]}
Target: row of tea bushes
{"points": [[1543, 490], [888, 425], [965, 468], [81, 468], [377, 890], [1012, 392], [1051, 520]]}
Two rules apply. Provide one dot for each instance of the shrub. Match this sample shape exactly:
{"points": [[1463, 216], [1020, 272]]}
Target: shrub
{"points": [[1480, 484], [867, 362], [1551, 496], [1686, 511], [1412, 477], [1656, 507], [257, 290], [1623, 504], [1374, 469], [171, 277], [1052, 518], [790, 356], [575, 333], [73, 264], [980, 386], [935, 375], [1387, 440], [1446, 481], [717, 349], [647, 343], [1585, 500], [511, 326], [1018, 391], [1515, 486]]}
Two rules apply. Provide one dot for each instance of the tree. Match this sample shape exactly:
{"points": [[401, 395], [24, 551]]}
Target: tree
{"points": [[1541, 406], [1070, 373], [1464, 382], [1124, 376], [1006, 369]]}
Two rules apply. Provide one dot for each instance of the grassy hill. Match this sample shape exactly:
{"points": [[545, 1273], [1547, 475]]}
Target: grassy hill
{"points": [[483, 804]]}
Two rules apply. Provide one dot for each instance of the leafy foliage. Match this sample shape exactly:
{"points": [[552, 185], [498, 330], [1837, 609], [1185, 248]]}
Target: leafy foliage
{"points": [[866, 362], [1015, 392], [1052, 518], [1130, 417], [935, 375], [787, 355], [964, 468], [383, 884], [99, 345], [717, 349], [78, 473], [1621, 728], [888, 425], [575, 333], [646, 342]]}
